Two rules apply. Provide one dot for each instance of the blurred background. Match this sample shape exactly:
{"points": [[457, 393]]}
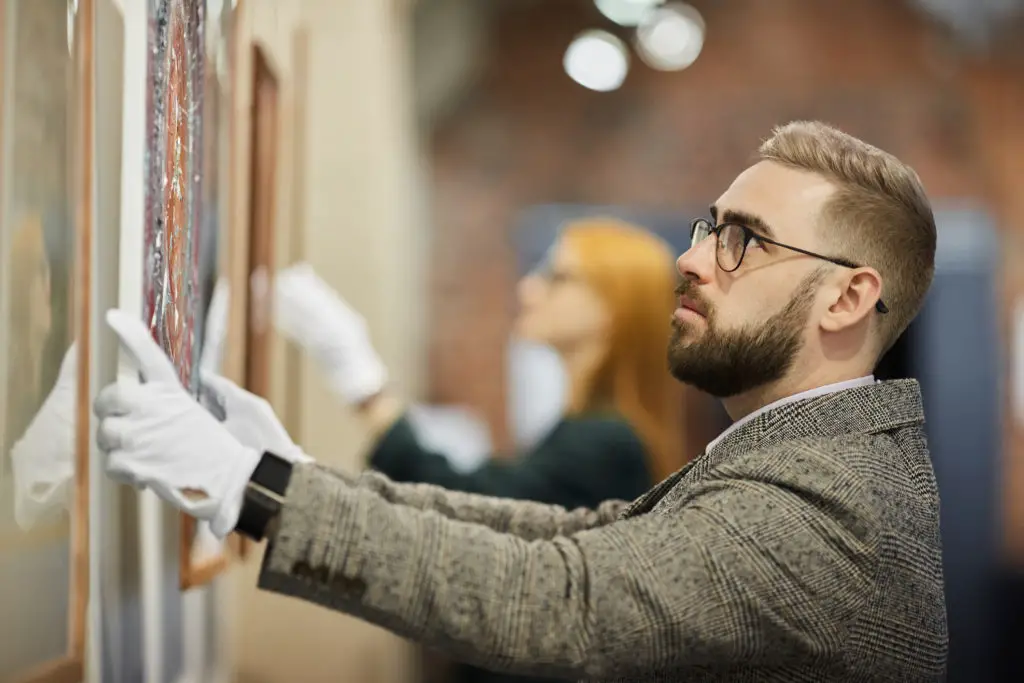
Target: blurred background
{"points": [[429, 151], [446, 140]]}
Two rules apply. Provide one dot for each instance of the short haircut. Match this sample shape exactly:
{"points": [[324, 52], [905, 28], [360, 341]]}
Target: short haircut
{"points": [[879, 215]]}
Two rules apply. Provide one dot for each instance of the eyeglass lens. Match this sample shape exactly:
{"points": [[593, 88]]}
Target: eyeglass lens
{"points": [[731, 242]]}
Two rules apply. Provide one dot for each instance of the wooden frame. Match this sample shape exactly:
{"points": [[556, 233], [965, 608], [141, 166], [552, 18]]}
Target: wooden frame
{"points": [[71, 667], [264, 147], [263, 151]]}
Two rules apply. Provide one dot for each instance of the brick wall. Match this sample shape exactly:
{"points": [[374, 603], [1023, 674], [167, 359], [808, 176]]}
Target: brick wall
{"points": [[529, 135]]}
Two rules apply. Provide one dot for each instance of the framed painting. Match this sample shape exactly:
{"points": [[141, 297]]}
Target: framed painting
{"points": [[46, 89], [263, 150], [250, 265], [181, 224], [201, 555], [173, 208]]}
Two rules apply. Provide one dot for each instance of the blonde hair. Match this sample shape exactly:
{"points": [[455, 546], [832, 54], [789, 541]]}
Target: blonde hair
{"points": [[633, 272], [879, 215]]}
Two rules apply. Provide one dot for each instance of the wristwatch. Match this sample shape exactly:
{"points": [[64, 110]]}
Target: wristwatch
{"points": [[264, 496]]}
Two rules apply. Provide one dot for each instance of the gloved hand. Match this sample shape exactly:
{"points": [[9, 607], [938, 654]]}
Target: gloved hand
{"points": [[156, 435], [311, 314], [43, 460], [249, 418]]}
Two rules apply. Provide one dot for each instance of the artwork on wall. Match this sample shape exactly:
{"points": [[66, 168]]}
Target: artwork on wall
{"points": [[173, 220], [263, 147], [262, 202], [188, 110], [45, 238]]}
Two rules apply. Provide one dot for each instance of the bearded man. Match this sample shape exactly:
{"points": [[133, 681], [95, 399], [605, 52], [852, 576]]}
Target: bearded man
{"points": [[802, 545]]}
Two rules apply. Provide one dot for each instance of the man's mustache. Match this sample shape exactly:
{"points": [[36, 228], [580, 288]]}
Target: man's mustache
{"points": [[688, 289]]}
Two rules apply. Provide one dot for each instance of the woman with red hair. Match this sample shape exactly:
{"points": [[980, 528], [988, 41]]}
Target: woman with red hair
{"points": [[601, 300]]}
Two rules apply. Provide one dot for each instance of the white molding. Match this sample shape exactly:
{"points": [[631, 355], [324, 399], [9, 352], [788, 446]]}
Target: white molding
{"points": [[130, 276]]}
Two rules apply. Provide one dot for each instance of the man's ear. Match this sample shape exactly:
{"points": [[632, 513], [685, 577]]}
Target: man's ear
{"points": [[857, 298]]}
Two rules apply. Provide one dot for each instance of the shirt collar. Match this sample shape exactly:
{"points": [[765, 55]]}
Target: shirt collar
{"points": [[803, 395]]}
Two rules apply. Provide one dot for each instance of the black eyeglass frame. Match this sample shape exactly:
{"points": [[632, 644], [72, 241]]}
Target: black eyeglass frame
{"points": [[749, 234]]}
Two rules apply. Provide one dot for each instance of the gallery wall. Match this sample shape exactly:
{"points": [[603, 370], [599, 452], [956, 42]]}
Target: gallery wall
{"points": [[349, 198]]}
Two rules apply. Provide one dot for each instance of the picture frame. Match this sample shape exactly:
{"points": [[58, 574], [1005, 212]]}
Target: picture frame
{"points": [[263, 161], [256, 272], [77, 163], [184, 69]]}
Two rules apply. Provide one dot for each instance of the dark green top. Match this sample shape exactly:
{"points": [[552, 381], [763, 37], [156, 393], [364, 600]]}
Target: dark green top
{"points": [[582, 462]]}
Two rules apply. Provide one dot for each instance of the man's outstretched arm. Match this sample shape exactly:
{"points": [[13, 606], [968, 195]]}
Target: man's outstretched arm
{"points": [[524, 519], [742, 570]]}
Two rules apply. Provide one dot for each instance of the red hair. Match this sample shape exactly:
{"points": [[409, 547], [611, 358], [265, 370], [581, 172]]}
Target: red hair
{"points": [[633, 272]]}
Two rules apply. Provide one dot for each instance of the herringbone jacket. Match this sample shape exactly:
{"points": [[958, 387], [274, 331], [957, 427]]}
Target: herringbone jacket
{"points": [[803, 547]]}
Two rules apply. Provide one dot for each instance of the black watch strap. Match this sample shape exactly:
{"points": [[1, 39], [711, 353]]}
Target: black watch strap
{"points": [[264, 495]]}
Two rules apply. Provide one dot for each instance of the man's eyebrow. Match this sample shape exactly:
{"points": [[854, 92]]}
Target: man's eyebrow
{"points": [[752, 221]]}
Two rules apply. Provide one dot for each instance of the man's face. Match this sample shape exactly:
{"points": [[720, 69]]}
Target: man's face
{"points": [[737, 331]]}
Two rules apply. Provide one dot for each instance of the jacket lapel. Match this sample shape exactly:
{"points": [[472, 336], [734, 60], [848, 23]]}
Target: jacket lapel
{"points": [[644, 503], [871, 409]]}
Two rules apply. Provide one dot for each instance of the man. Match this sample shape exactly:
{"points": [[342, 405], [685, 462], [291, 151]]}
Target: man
{"points": [[803, 545]]}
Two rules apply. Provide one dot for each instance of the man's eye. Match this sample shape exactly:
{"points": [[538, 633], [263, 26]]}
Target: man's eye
{"points": [[755, 243]]}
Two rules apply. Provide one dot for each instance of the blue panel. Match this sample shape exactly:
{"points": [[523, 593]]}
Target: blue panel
{"points": [[958, 362], [538, 226]]}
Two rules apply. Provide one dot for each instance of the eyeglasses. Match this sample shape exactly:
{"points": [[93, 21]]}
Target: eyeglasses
{"points": [[733, 239], [546, 271]]}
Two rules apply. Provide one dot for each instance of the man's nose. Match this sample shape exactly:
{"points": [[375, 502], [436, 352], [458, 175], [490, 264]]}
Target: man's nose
{"points": [[698, 262]]}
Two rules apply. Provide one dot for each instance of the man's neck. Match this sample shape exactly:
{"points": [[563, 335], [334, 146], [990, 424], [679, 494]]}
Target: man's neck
{"points": [[742, 405]]}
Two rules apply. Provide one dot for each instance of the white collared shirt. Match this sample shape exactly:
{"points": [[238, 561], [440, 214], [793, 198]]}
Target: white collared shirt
{"points": [[810, 393]]}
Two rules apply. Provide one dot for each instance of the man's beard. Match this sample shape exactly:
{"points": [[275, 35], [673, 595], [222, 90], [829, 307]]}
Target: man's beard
{"points": [[727, 363]]}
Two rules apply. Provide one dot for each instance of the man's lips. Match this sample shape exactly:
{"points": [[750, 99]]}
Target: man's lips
{"points": [[689, 304]]}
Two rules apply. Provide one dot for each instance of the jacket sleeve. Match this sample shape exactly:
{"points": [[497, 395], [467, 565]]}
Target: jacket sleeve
{"points": [[738, 569], [615, 465], [525, 519]]}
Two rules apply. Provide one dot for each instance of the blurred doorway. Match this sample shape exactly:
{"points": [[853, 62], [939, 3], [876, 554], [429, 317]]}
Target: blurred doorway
{"points": [[954, 350]]}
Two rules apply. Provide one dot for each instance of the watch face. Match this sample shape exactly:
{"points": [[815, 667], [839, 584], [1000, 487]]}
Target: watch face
{"points": [[264, 495]]}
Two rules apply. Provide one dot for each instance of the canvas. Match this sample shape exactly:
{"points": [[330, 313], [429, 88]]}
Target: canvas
{"points": [[173, 222]]}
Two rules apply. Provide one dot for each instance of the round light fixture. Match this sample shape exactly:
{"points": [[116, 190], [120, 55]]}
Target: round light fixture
{"points": [[671, 37], [626, 12], [597, 60]]}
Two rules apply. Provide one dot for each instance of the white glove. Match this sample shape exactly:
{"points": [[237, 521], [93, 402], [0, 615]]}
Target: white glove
{"points": [[156, 435], [249, 418], [311, 314], [43, 460]]}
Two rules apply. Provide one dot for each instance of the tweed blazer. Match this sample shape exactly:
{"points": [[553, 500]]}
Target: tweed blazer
{"points": [[803, 547]]}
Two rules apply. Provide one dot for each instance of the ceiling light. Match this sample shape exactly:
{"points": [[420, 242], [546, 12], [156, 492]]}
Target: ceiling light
{"points": [[671, 37], [597, 60], [626, 12]]}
